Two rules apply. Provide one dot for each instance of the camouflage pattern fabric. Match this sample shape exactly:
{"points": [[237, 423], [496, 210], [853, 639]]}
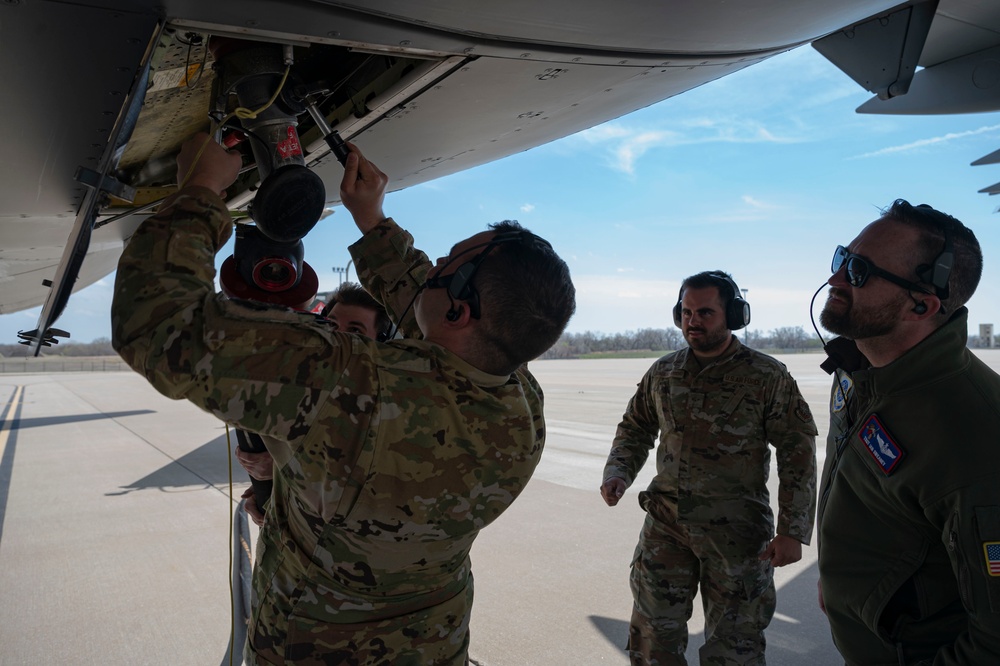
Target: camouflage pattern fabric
{"points": [[710, 495], [738, 594], [389, 457]]}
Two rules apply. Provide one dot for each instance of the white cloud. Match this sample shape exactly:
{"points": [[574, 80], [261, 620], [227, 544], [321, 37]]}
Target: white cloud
{"points": [[627, 145], [923, 143], [527, 208], [603, 133], [756, 203], [636, 144]]}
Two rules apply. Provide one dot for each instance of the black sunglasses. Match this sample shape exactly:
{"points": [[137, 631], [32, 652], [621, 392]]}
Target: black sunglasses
{"points": [[860, 269]]}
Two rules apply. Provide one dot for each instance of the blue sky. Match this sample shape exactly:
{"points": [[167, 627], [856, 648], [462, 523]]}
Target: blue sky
{"points": [[761, 173]]}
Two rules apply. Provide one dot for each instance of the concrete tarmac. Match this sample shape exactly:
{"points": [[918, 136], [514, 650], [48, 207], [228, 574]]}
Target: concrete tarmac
{"points": [[115, 535]]}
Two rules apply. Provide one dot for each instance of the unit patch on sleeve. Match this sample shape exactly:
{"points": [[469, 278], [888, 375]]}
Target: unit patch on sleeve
{"points": [[845, 386], [992, 550], [880, 444]]}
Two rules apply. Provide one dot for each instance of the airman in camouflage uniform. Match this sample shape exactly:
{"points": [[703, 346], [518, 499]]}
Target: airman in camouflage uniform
{"points": [[389, 457], [350, 309], [714, 406]]}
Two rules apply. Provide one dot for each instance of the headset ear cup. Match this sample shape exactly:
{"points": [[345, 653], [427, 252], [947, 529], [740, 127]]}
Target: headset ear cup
{"points": [[738, 314], [678, 319]]}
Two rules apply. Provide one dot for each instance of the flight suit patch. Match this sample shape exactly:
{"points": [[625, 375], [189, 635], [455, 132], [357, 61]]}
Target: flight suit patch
{"points": [[880, 445], [844, 387], [988, 533], [992, 551]]}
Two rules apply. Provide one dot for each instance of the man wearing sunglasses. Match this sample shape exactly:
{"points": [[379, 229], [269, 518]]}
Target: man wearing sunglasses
{"points": [[909, 508], [389, 457]]}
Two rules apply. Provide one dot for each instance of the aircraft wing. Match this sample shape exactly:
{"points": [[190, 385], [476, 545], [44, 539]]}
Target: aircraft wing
{"points": [[934, 57], [99, 95]]}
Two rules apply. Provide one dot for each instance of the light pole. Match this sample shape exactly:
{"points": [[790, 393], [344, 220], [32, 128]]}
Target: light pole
{"points": [[343, 273]]}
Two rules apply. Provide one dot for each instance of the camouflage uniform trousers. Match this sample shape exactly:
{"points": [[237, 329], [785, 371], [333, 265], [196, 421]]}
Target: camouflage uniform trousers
{"points": [[737, 593]]}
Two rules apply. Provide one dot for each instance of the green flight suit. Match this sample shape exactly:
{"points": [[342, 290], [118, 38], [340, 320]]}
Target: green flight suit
{"points": [[910, 507]]}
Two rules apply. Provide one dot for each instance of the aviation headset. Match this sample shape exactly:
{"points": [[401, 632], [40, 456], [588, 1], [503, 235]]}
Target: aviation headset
{"points": [[938, 271], [737, 308], [459, 283]]}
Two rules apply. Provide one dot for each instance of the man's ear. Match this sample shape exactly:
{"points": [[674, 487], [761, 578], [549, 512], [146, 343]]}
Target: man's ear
{"points": [[458, 316], [925, 307]]}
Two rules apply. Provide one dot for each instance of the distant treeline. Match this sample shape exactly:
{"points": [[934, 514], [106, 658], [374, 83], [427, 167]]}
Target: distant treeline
{"points": [[99, 347], [787, 339], [576, 345]]}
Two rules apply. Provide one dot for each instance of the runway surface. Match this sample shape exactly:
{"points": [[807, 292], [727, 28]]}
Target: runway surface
{"points": [[115, 535]]}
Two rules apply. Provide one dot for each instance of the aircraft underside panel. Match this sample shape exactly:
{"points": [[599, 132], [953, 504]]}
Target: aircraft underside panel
{"points": [[527, 103], [419, 112], [66, 72], [425, 88]]}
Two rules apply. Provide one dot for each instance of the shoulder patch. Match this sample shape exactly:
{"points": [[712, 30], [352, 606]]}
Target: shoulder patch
{"points": [[845, 385], [992, 551], [880, 444], [802, 411]]}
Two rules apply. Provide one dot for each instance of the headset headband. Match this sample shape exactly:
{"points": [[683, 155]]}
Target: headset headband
{"points": [[459, 282], [938, 272]]}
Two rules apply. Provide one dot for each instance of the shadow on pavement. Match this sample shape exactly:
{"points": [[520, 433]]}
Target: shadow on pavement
{"points": [[24, 424], [202, 467], [614, 630], [798, 634]]}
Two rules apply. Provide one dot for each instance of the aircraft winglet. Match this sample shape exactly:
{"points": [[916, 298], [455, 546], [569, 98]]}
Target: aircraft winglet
{"points": [[46, 340]]}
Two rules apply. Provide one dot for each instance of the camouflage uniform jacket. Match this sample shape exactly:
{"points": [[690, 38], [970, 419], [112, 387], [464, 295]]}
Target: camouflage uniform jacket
{"points": [[909, 514], [389, 457], [714, 424]]}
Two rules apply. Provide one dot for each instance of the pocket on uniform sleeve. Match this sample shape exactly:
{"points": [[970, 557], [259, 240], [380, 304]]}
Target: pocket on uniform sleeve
{"points": [[988, 531]]}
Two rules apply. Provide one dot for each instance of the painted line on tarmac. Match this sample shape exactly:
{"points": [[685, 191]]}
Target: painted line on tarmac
{"points": [[7, 423]]}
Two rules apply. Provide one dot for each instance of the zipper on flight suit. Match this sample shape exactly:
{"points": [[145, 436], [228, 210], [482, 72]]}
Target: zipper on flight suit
{"points": [[848, 420], [963, 570], [838, 455]]}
